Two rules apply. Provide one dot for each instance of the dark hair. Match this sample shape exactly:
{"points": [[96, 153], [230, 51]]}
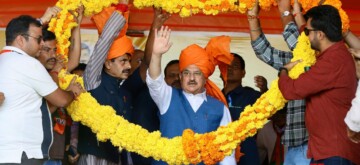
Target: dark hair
{"points": [[47, 35], [242, 62], [326, 18], [18, 26], [81, 67], [172, 62]]}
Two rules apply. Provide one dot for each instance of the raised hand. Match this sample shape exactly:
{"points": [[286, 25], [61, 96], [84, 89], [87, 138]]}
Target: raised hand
{"points": [[50, 13], [160, 17], [162, 41], [255, 10], [80, 11], [261, 83]]}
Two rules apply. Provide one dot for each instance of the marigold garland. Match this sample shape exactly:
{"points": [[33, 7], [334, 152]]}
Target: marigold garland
{"points": [[186, 8], [209, 148]]}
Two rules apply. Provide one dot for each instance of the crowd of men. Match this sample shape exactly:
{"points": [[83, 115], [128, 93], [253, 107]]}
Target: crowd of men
{"points": [[319, 125]]}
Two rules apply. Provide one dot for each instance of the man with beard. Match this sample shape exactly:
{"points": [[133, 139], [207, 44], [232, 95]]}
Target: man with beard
{"points": [[238, 97], [329, 86], [199, 105], [47, 57]]}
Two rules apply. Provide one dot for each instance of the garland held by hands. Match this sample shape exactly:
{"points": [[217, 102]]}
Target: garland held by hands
{"points": [[209, 148]]}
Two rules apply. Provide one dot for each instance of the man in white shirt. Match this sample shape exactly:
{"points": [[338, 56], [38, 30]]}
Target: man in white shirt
{"points": [[352, 118], [191, 107], [25, 128]]}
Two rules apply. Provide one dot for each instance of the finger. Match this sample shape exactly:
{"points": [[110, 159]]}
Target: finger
{"points": [[156, 32], [168, 33]]}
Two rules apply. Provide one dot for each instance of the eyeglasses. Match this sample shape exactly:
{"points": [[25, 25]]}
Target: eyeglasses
{"points": [[47, 49], [307, 31], [196, 74], [38, 39]]}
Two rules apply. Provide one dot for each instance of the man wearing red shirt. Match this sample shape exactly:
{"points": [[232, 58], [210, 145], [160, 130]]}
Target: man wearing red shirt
{"points": [[329, 86]]}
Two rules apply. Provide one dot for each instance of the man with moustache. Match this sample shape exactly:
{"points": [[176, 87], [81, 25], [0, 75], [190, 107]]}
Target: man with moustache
{"points": [[329, 86], [47, 57], [199, 105], [24, 124], [104, 76]]}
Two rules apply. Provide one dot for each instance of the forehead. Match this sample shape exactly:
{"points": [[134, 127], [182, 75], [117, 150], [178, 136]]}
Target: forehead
{"points": [[192, 68], [50, 44], [125, 56], [173, 68]]}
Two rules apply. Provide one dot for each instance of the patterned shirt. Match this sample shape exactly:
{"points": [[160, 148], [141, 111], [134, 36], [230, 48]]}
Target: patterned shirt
{"points": [[295, 132], [92, 74]]}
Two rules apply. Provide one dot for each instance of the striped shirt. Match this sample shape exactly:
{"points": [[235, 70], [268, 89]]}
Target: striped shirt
{"points": [[295, 131], [92, 73]]}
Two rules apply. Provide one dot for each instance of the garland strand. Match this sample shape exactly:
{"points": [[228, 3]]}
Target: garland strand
{"points": [[208, 148]]}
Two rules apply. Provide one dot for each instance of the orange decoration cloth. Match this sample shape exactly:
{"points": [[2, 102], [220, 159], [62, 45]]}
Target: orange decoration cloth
{"points": [[216, 53], [122, 44]]}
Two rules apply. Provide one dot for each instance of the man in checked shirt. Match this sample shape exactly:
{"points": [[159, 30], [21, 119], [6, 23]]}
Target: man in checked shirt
{"points": [[295, 136]]}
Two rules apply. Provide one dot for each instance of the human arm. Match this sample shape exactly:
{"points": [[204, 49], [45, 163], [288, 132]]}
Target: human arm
{"points": [[352, 40], [284, 10], [322, 76], [261, 46], [298, 16], [92, 73], [49, 13], [75, 47], [158, 21], [159, 90], [62, 98], [352, 118]]}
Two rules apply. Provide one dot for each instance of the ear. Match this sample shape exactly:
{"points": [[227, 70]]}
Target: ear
{"points": [[108, 64], [20, 40], [321, 35], [243, 73]]}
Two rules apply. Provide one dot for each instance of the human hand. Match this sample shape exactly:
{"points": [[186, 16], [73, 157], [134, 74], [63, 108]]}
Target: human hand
{"points": [[50, 13], [290, 65], [73, 155], [2, 98], [75, 87], [355, 53], [353, 136], [255, 10], [80, 11], [162, 41], [261, 83], [283, 5], [159, 18]]}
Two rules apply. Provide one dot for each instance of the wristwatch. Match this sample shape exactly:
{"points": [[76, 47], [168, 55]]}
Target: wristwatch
{"points": [[285, 13]]}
